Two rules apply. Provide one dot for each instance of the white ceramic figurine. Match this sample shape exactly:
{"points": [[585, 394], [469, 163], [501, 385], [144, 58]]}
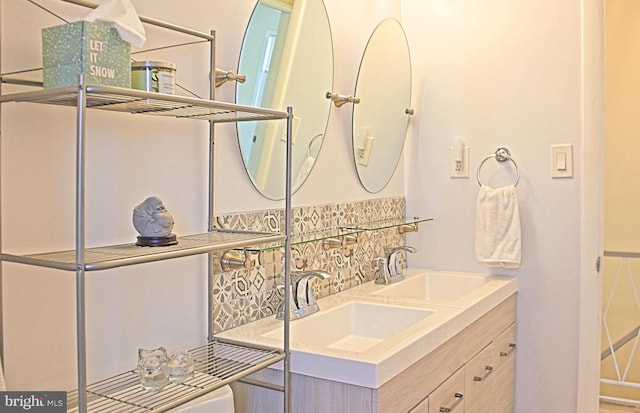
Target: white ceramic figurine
{"points": [[151, 218]]}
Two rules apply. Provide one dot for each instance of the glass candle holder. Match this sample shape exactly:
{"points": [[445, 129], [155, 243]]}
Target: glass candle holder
{"points": [[153, 368], [181, 366]]}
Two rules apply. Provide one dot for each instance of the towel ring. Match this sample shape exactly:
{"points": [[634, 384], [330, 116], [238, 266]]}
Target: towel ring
{"points": [[501, 154]]}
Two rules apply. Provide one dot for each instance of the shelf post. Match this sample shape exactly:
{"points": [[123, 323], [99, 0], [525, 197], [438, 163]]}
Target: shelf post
{"points": [[2, 356], [212, 152], [80, 242], [211, 213], [287, 266]]}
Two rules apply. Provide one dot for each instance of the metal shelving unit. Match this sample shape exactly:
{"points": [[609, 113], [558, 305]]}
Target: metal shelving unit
{"points": [[218, 362]]}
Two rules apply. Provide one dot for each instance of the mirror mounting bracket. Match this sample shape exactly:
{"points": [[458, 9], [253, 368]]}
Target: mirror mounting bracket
{"points": [[224, 76], [340, 100]]}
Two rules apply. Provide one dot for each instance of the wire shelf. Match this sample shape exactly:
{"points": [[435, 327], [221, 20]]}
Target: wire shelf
{"points": [[140, 102], [217, 364], [102, 258]]}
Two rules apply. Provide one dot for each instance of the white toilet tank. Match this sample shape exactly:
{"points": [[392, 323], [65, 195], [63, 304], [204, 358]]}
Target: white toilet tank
{"points": [[217, 401]]}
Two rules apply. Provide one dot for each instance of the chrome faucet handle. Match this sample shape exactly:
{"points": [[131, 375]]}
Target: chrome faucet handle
{"points": [[388, 265], [297, 276], [293, 306], [304, 292], [383, 271], [392, 259], [395, 250], [302, 302], [311, 299]]}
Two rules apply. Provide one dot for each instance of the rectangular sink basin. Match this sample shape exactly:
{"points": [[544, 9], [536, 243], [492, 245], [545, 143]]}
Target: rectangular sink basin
{"points": [[353, 326], [434, 286]]}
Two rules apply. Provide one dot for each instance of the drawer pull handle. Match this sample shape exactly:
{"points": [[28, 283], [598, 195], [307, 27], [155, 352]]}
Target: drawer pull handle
{"points": [[512, 347], [488, 369], [458, 396]]}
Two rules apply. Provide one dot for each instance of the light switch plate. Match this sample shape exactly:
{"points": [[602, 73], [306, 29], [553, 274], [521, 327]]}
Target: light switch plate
{"points": [[562, 161]]}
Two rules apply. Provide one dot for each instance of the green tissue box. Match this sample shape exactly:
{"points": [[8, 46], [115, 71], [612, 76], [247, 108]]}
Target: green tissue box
{"points": [[83, 47]]}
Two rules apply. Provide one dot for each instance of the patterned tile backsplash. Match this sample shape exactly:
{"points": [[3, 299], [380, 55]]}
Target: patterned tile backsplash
{"points": [[243, 296]]}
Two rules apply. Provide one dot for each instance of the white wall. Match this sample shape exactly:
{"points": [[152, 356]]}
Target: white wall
{"points": [[505, 73], [496, 72]]}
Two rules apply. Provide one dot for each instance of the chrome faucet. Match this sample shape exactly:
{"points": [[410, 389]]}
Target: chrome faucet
{"points": [[302, 303], [388, 271]]}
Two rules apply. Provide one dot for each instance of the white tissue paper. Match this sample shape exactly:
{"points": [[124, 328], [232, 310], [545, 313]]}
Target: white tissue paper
{"points": [[121, 15]]}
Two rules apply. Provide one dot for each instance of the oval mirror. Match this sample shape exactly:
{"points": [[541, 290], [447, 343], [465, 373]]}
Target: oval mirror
{"points": [[381, 118], [287, 58]]}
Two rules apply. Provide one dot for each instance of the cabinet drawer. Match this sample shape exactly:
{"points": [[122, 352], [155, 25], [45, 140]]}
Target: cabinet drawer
{"points": [[506, 344], [449, 396], [482, 367], [489, 377]]}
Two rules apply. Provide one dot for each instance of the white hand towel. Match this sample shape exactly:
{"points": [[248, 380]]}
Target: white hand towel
{"points": [[498, 232]]}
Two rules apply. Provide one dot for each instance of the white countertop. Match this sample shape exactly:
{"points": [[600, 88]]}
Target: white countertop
{"points": [[381, 362]]}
